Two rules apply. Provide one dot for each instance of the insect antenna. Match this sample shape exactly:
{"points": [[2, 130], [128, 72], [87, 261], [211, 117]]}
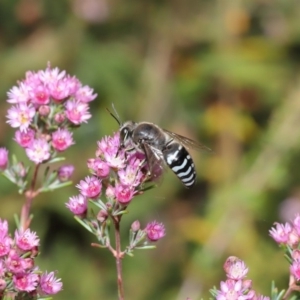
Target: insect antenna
{"points": [[116, 116]]}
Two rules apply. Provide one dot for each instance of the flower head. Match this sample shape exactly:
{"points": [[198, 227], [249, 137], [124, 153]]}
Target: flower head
{"points": [[65, 172], [3, 158], [155, 231], [77, 205], [62, 139], [20, 116], [49, 284], [38, 151], [26, 282], [281, 232], [26, 240], [90, 187], [25, 138]]}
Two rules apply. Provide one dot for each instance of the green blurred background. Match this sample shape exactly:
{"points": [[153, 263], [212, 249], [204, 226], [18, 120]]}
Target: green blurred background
{"points": [[225, 73]]}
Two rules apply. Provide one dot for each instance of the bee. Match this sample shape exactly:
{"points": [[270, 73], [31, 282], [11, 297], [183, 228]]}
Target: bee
{"points": [[160, 147]]}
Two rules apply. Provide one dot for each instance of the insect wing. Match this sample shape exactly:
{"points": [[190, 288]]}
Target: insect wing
{"points": [[155, 161], [188, 143]]}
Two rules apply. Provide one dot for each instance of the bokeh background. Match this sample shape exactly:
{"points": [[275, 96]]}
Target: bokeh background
{"points": [[225, 73]]}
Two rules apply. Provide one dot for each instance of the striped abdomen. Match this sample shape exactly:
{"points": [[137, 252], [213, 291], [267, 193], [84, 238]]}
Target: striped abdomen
{"points": [[181, 163]]}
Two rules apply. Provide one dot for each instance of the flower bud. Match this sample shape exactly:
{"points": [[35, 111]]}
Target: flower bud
{"points": [[102, 216], [135, 226], [44, 110], [65, 172], [59, 118]]}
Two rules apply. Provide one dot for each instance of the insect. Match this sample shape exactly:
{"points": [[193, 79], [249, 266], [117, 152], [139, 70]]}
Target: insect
{"points": [[160, 147]]}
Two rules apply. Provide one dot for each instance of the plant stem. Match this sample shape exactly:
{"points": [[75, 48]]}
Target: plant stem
{"points": [[119, 256], [29, 194]]}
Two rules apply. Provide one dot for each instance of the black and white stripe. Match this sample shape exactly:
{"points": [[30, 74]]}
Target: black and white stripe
{"points": [[181, 163]]}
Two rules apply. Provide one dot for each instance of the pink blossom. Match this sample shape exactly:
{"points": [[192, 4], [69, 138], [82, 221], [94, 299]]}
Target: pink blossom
{"points": [[295, 269], [39, 151], [26, 282], [90, 187], [18, 94], [281, 233], [77, 205], [50, 76], [59, 90], [49, 284], [296, 223], [109, 150], [155, 231], [3, 158], [15, 263], [131, 175], [77, 112], [230, 290], [85, 94], [5, 245], [62, 139], [123, 193], [26, 240], [24, 138], [2, 269], [65, 172], [40, 95], [20, 116], [99, 167], [3, 228], [235, 268]]}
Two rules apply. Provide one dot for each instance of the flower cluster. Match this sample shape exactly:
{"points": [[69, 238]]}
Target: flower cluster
{"points": [[45, 106], [119, 176], [288, 236], [236, 286], [18, 274]]}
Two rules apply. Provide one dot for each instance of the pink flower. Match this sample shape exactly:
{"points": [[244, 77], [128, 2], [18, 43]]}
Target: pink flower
{"points": [[123, 193], [99, 167], [155, 231], [24, 138], [20, 116], [77, 205], [5, 245], [49, 284], [50, 76], [59, 90], [39, 151], [85, 94], [3, 158], [235, 268], [26, 240], [65, 172], [18, 94], [230, 289], [281, 233], [77, 112], [109, 150], [132, 174], [295, 269], [26, 282], [90, 187], [15, 263], [296, 223], [62, 139], [3, 228], [40, 95]]}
